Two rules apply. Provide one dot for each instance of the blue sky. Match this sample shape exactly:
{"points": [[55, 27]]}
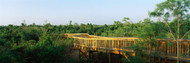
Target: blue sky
{"points": [[59, 12]]}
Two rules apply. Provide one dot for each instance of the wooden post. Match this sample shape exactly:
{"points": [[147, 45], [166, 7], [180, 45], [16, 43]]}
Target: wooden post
{"points": [[188, 50], [159, 51], [149, 52], [170, 49], [123, 44], [182, 52], [91, 55], [106, 44], [185, 49], [93, 45], [175, 49], [79, 55], [109, 57], [119, 58], [88, 43], [179, 48], [166, 53], [100, 57], [96, 43], [112, 43], [118, 45]]}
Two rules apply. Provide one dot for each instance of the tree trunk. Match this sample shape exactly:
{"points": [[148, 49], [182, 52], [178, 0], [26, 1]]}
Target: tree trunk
{"points": [[178, 40], [177, 51]]}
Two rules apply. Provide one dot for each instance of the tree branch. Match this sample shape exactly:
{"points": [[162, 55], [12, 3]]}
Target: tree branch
{"points": [[185, 34], [170, 30], [181, 23]]}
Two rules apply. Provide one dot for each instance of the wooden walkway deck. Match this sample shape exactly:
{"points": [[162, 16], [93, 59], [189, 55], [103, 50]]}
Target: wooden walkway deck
{"points": [[118, 45]]}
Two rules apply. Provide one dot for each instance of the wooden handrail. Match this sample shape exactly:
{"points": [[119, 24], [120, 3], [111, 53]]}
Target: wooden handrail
{"points": [[119, 44]]}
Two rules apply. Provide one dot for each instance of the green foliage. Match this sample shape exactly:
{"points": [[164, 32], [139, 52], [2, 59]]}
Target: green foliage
{"points": [[142, 50], [174, 11], [46, 43], [189, 36], [32, 44]]}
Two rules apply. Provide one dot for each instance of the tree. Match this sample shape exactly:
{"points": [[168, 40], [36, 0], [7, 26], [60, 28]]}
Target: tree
{"points": [[118, 24], [23, 23], [171, 10]]}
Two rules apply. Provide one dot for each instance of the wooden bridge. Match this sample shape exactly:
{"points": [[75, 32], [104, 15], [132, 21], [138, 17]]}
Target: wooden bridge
{"points": [[166, 48]]}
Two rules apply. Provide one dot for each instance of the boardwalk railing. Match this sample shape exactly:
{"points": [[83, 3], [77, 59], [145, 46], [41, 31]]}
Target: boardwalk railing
{"points": [[165, 47]]}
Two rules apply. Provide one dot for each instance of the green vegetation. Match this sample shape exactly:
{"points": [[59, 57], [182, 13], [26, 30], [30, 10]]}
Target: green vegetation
{"points": [[177, 11], [47, 44], [33, 44]]}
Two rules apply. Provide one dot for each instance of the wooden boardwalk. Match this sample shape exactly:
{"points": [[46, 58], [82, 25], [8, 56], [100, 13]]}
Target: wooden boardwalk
{"points": [[119, 45]]}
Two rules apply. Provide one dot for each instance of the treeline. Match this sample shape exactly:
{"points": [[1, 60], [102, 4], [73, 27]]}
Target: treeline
{"points": [[45, 43], [126, 28]]}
